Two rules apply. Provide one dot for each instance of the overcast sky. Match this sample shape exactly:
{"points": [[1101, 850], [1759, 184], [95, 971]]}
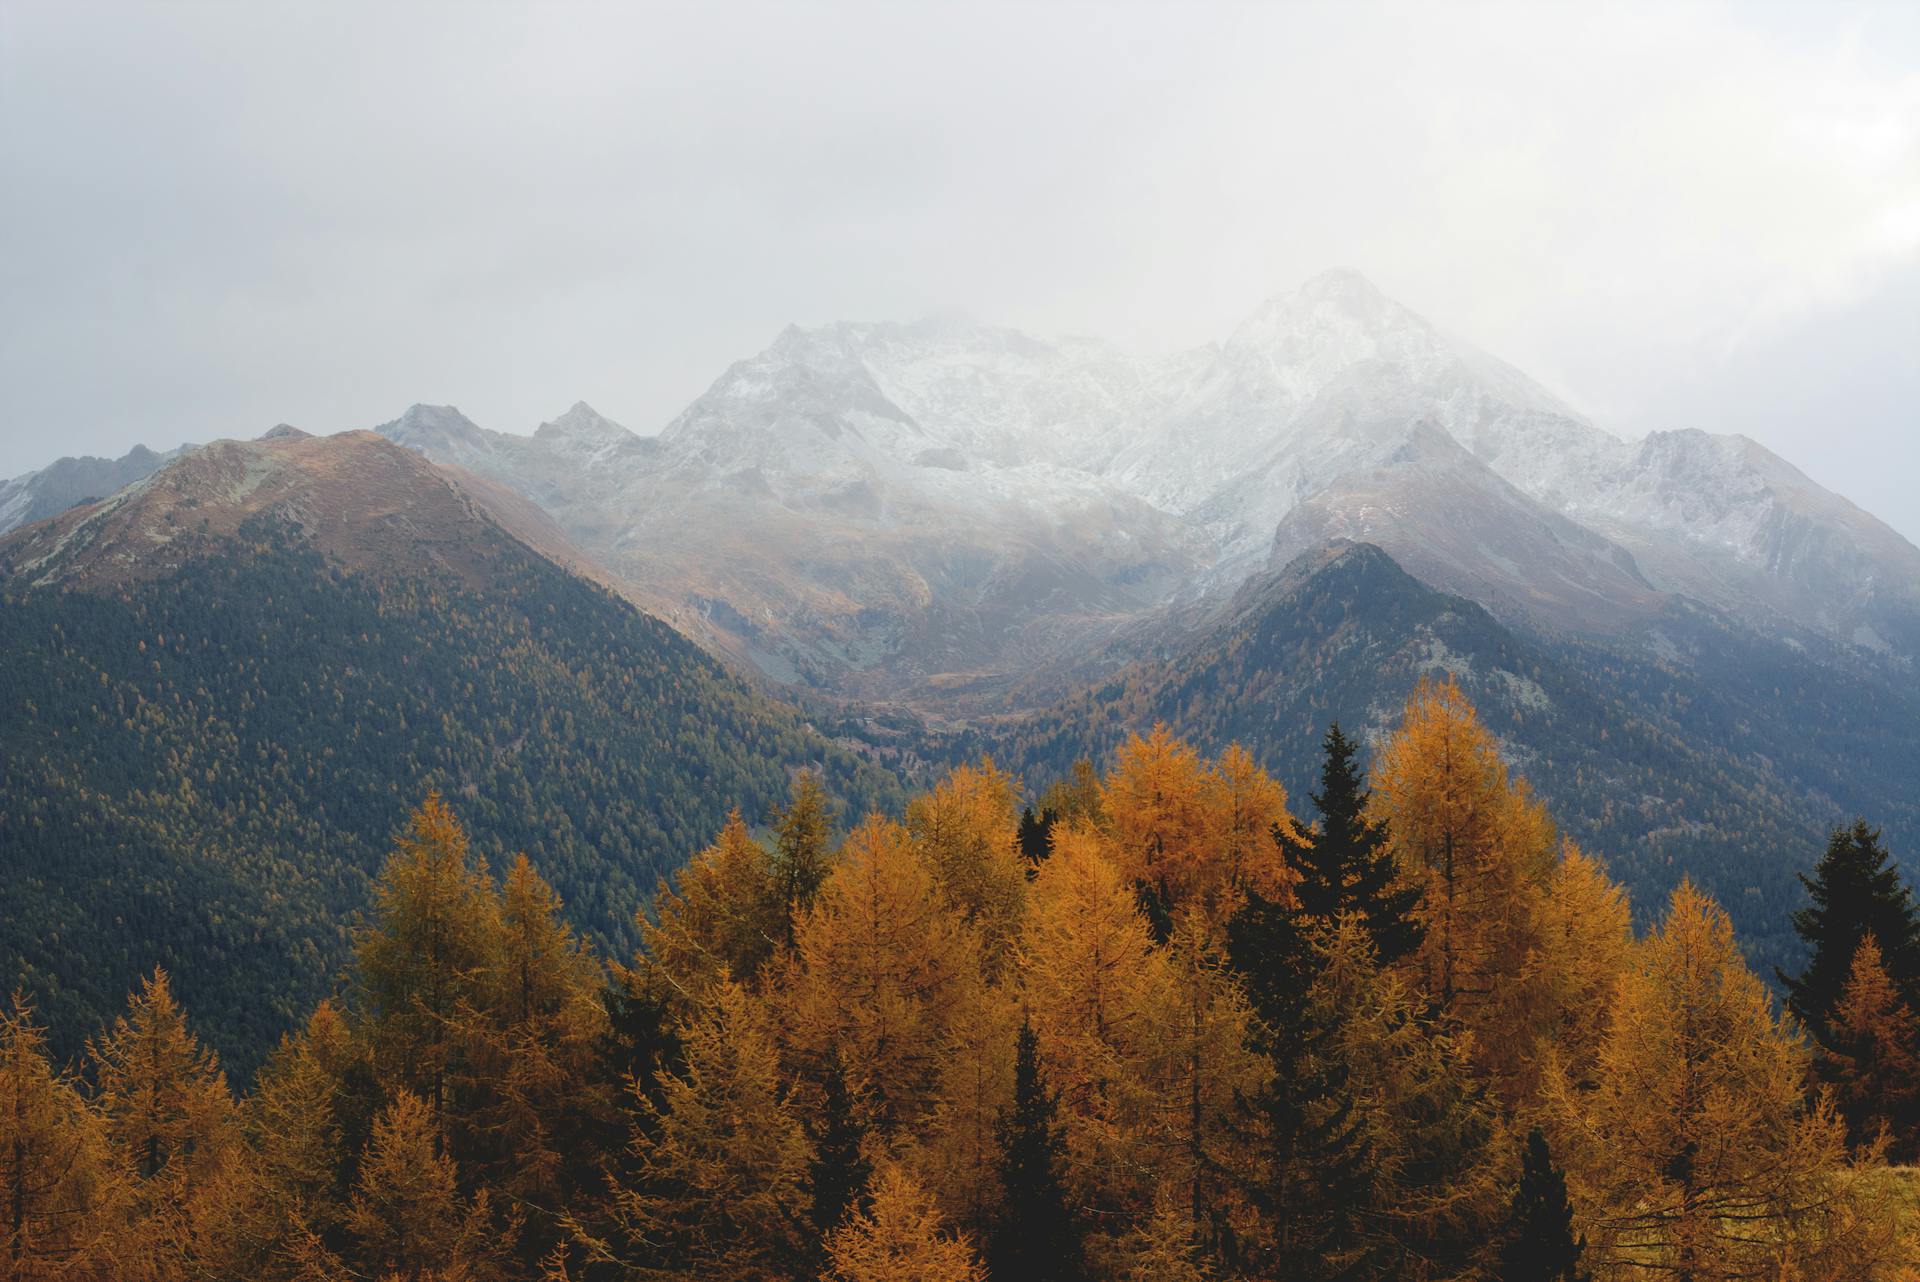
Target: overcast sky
{"points": [[222, 217]]}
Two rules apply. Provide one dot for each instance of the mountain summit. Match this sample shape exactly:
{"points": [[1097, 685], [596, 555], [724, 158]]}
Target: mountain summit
{"points": [[942, 509], [932, 510]]}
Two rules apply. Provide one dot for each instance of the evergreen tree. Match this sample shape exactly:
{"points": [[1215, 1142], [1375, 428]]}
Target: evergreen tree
{"points": [[839, 1171], [1311, 1181], [1856, 891], [1038, 1237], [801, 858], [1540, 1245], [1347, 864], [1036, 835]]}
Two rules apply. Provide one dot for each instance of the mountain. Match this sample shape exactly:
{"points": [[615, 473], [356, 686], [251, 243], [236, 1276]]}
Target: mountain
{"points": [[956, 522], [1728, 760], [948, 514], [222, 689], [61, 484]]}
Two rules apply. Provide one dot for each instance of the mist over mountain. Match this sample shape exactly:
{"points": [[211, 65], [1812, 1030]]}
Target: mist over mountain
{"points": [[954, 525], [929, 511]]}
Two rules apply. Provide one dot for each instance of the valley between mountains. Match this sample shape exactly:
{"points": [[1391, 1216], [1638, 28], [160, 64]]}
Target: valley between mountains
{"points": [[231, 670]]}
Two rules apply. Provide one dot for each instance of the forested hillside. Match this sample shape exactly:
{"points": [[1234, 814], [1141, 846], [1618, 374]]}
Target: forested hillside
{"points": [[1173, 1030], [203, 767], [1728, 760]]}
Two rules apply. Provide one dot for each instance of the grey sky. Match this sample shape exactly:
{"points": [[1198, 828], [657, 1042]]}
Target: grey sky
{"points": [[221, 217]]}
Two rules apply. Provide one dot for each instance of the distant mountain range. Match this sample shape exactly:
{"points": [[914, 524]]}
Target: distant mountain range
{"points": [[938, 511], [1718, 752], [1700, 656]]}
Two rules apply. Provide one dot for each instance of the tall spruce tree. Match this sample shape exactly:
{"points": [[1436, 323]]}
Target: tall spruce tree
{"points": [[1313, 1184], [1855, 891], [1540, 1245], [839, 1172], [801, 857], [1037, 1237], [1036, 836], [1345, 865]]}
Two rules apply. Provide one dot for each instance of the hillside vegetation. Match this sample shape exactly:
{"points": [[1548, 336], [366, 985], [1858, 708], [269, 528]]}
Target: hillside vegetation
{"points": [[1165, 1030], [204, 769]]}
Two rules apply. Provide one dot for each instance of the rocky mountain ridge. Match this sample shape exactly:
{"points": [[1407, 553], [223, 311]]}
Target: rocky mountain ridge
{"points": [[941, 511]]}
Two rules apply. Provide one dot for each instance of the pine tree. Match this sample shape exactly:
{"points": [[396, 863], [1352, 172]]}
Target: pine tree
{"points": [[1855, 890], [1346, 865], [1874, 1064], [1424, 1115], [837, 1177], [801, 855], [1036, 836], [1539, 1243], [1310, 1178], [1037, 1237]]}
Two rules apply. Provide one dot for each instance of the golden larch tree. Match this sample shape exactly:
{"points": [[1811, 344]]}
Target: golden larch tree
{"points": [[884, 966], [528, 1085], [406, 1217], [1166, 831], [1249, 805], [1584, 945], [1874, 1063], [422, 963], [900, 1238], [1096, 990], [1483, 851], [60, 1193], [1694, 1152], [295, 1117], [967, 831], [723, 914], [958, 1156], [721, 1161]]}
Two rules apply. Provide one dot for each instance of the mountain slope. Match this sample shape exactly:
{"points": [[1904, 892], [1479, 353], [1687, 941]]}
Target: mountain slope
{"points": [[221, 691], [942, 512], [1728, 760]]}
